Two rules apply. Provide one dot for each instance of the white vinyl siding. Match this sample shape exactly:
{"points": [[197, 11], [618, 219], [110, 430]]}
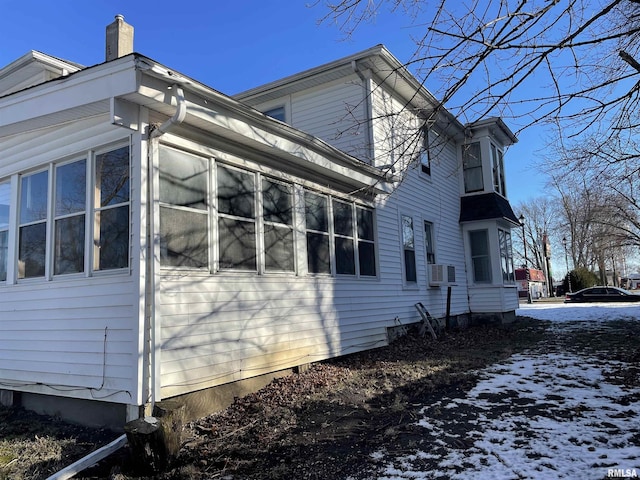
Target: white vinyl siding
{"points": [[70, 334]]}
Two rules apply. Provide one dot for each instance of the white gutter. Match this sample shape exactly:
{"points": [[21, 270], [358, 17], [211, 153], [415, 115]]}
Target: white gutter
{"points": [[178, 116], [90, 460]]}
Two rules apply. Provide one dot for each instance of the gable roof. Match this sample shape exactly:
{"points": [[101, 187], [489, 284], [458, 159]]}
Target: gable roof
{"points": [[32, 69], [384, 66]]}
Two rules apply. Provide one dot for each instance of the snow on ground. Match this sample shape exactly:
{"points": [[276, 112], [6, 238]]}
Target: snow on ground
{"points": [[538, 415]]}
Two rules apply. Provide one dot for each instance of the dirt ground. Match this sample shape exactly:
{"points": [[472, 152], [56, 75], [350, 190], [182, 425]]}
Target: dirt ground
{"points": [[321, 424]]}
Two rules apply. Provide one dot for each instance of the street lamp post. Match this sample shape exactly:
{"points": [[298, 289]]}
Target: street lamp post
{"points": [[526, 260], [566, 261]]}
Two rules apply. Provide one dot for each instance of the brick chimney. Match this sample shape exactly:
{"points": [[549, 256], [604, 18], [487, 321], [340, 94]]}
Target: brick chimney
{"points": [[119, 39]]}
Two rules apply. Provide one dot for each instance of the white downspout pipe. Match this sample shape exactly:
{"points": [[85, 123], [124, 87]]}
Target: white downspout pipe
{"points": [[97, 455], [177, 118]]}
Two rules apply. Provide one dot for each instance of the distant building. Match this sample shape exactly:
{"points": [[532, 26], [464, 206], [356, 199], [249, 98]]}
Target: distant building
{"points": [[535, 282]]}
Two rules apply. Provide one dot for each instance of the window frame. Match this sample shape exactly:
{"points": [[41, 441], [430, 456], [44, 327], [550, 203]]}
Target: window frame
{"points": [[506, 256], [4, 229], [429, 245], [425, 153], [469, 171], [484, 257], [410, 275], [497, 169]]}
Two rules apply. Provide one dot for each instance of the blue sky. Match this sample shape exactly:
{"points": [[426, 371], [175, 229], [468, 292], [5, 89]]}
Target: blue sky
{"points": [[230, 46]]}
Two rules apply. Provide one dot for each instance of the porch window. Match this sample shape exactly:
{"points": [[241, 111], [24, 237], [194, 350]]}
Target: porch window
{"points": [[277, 216], [472, 167], [184, 214], [69, 217], [506, 256], [5, 197], [32, 230], [317, 222], [479, 242], [408, 244], [236, 219], [366, 245], [111, 210], [344, 238]]}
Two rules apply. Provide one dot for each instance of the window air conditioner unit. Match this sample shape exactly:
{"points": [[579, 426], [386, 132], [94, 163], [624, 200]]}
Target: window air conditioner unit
{"points": [[441, 275]]}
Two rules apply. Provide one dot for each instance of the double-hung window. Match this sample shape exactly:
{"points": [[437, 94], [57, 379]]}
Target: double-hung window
{"points": [[425, 153], [409, 249], [184, 209], [5, 197], [32, 230], [479, 242], [344, 237], [277, 218], [366, 244], [236, 219], [318, 238], [69, 217], [111, 210], [472, 167], [506, 256], [57, 197]]}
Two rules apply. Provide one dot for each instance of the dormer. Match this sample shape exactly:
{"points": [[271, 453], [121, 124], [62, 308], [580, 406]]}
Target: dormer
{"points": [[483, 157]]}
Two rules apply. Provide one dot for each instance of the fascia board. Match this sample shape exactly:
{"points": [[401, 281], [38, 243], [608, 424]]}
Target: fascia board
{"points": [[104, 81]]}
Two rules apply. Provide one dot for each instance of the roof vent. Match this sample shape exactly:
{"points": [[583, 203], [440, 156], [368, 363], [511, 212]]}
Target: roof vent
{"points": [[119, 39]]}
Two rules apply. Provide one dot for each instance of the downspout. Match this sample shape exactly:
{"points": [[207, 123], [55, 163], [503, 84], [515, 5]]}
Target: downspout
{"points": [[368, 110], [152, 282]]}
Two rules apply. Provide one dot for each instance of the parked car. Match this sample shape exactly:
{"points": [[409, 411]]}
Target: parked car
{"points": [[602, 294]]}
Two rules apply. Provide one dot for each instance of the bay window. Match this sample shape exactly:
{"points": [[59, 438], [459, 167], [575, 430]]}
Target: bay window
{"points": [[497, 163]]}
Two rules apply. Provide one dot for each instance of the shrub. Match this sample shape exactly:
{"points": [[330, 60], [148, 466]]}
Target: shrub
{"points": [[580, 278]]}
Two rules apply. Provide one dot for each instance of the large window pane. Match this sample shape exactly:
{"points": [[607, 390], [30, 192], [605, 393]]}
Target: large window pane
{"points": [[183, 179], [318, 253], [183, 238], [69, 245], [408, 242], [236, 192], [278, 246], [33, 197], [345, 256], [237, 244], [342, 218], [316, 212], [277, 204], [479, 241], [365, 224], [111, 222], [472, 167], [367, 258], [112, 176], [113, 235], [71, 188], [31, 254]]}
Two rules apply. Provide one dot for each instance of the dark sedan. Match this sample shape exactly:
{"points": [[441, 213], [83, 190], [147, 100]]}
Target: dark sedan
{"points": [[602, 294]]}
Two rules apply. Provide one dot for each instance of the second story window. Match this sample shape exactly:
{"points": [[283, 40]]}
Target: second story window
{"points": [[425, 153], [497, 163], [278, 113], [472, 167]]}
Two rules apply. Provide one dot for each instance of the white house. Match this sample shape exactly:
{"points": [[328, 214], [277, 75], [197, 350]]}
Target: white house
{"points": [[159, 238]]}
